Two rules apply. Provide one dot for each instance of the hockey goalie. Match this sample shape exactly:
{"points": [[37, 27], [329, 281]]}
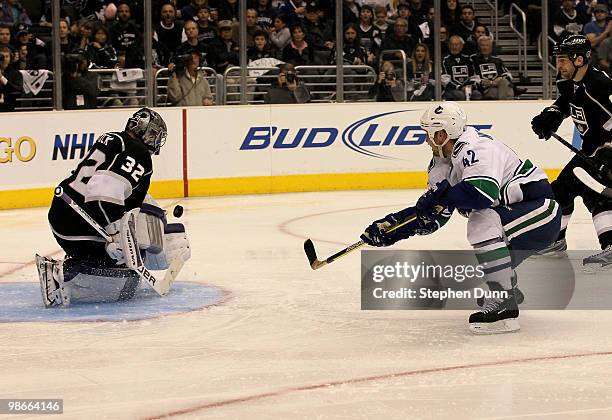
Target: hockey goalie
{"points": [[111, 230]]}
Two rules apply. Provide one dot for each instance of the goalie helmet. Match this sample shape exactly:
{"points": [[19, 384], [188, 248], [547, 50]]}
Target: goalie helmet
{"points": [[150, 127], [574, 46], [447, 116]]}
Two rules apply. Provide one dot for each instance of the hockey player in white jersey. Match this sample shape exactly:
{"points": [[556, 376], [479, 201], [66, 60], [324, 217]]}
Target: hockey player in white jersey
{"points": [[508, 201]]}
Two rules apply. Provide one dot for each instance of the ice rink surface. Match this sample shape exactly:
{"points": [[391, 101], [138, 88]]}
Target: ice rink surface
{"points": [[291, 343]]}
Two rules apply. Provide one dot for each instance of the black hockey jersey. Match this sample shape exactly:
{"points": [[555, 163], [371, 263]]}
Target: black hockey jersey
{"points": [[111, 179], [564, 24], [490, 67], [588, 103], [457, 71]]}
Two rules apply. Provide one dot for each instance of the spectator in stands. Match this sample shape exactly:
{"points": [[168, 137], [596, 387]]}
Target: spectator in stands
{"points": [[251, 28], [11, 82], [298, 52], [280, 35], [419, 10], [21, 63], [458, 76], [37, 55], [206, 31], [427, 27], [265, 14], [533, 12], [101, 52], [604, 55], [350, 11], [451, 12], [194, 45], [190, 87], [294, 10], [495, 78], [190, 11], [223, 49], [287, 88], [229, 10], [369, 35], [5, 38], [465, 27], [262, 48], [420, 75], [599, 29], [319, 34], [568, 21], [82, 33], [354, 53], [124, 33], [399, 39], [13, 13], [380, 21], [66, 43], [388, 88], [168, 31], [80, 87]]}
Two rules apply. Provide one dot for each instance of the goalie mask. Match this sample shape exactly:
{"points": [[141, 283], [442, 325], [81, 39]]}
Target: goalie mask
{"points": [[150, 127], [447, 116]]}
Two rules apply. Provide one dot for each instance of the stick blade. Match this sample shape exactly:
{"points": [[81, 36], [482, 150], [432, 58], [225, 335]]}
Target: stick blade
{"points": [[309, 249], [591, 182]]}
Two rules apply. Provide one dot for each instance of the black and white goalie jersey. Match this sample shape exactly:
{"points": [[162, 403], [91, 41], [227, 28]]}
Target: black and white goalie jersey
{"points": [[588, 103], [490, 67], [111, 179], [457, 71]]}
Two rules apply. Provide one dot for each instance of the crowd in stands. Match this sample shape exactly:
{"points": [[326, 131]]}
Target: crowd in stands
{"points": [[190, 34]]}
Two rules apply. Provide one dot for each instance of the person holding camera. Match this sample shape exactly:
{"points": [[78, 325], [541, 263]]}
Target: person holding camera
{"points": [[188, 85], [287, 89], [80, 86], [388, 88]]}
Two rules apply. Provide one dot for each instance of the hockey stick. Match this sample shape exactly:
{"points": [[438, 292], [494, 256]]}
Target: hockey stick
{"points": [[311, 253], [162, 286], [582, 175]]}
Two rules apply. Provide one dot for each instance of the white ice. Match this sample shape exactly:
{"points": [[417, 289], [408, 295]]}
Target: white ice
{"points": [[290, 342]]}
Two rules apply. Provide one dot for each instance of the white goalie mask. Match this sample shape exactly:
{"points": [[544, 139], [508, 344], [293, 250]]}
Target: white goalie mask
{"points": [[150, 127], [447, 116]]}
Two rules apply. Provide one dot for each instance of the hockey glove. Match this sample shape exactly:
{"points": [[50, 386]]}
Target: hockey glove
{"points": [[376, 234], [547, 122], [426, 205]]}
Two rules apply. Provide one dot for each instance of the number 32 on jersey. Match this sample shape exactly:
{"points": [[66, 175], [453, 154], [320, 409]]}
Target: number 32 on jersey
{"points": [[132, 168]]}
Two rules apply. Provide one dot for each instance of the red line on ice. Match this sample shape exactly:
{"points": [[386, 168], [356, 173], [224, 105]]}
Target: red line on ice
{"points": [[382, 377]]}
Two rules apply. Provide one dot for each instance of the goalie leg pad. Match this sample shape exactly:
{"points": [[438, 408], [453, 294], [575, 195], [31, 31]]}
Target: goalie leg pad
{"points": [[96, 284], [52, 287], [176, 245], [150, 225]]}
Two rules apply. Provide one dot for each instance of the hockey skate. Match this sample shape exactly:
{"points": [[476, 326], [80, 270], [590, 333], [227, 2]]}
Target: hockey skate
{"points": [[555, 250], [519, 296], [599, 262], [50, 275], [498, 316]]}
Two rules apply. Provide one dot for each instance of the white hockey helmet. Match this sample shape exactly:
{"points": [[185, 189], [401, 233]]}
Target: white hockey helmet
{"points": [[447, 116], [150, 127]]}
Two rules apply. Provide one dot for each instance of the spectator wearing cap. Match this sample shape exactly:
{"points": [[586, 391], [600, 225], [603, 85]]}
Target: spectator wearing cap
{"points": [[369, 34], [251, 28], [37, 56], [168, 31], [399, 38], [318, 34], [265, 14], [124, 33], [206, 31], [298, 52], [13, 12], [223, 49], [193, 44], [11, 81], [190, 11], [599, 29], [280, 35]]}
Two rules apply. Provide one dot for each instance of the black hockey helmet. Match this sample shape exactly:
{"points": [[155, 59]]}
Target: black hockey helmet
{"points": [[150, 127], [574, 46]]}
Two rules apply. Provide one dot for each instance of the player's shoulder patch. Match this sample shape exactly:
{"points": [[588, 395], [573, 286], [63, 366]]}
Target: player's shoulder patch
{"points": [[112, 138], [458, 147]]}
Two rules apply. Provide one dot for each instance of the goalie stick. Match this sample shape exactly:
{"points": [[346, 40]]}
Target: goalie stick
{"points": [[582, 175], [162, 286], [311, 253]]}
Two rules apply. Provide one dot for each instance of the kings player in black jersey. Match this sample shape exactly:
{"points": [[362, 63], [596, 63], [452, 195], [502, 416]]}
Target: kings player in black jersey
{"points": [[109, 183], [584, 95]]}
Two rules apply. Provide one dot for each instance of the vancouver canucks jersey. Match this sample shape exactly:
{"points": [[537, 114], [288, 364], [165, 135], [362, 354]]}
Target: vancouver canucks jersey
{"points": [[488, 165]]}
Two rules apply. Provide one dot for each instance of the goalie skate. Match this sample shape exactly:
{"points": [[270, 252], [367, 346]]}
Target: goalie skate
{"points": [[599, 262], [51, 283], [497, 317]]}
